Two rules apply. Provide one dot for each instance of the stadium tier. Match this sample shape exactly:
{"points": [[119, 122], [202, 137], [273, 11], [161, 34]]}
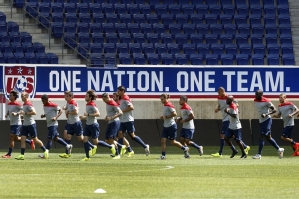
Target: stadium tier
{"points": [[196, 32]]}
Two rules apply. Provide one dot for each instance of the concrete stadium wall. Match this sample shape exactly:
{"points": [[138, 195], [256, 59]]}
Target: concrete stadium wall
{"points": [[206, 133]]}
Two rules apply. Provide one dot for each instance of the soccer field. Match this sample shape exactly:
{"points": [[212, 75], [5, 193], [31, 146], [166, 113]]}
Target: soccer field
{"points": [[148, 177]]}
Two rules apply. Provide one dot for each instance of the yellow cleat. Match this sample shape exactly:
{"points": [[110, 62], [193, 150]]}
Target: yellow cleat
{"points": [[46, 154], [247, 150], [116, 157], [113, 150], [94, 150], [123, 150], [64, 155], [85, 159], [20, 157], [130, 154], [216, 155]]}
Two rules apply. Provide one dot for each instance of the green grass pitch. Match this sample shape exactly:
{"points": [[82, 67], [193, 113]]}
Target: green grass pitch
{"points": [[148, 177]]}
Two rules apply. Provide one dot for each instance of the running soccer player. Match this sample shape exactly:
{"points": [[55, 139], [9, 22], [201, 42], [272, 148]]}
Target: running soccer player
{"points": [[92, 127], [235, 127], [15, 123], [222, 105], [113, 114], [74, 124], [52, 112], [188, 125], [29, 127], [170, 127], [127, 122], [265, 108], [287, 110]]}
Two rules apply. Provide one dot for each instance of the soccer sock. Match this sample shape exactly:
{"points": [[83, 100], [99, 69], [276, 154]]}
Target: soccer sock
{"points": [[116, 151], [43, 148], [163, 153], [293, 143], [104, 144], [22, 151], [261, 145], [119, 145], [61, 141], [90, 145], [221, 146], [28, 141], [129, 149], [183, 148], [120, 141], [86, 148], [233, 148], [9, 151], [49, 144], [193, 144], [139, 141], [68, 142], [273, 142], [244, 145]]}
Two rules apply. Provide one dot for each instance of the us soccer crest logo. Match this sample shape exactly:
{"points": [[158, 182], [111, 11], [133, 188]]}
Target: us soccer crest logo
{"points": [[20, 79]]}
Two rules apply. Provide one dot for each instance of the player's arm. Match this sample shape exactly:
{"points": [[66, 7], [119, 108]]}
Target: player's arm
{"points": [[278, 115], [95, 114], [58, 115], [296, 111], [129, 108], [272, 111], [7, 114], [118, 114], [32, 112], [74, 112], [218, 108], [191, 117], [173, 114], [229, 113]]}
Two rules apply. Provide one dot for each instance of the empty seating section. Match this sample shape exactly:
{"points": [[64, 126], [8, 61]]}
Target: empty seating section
{"points": [[212, 32]]}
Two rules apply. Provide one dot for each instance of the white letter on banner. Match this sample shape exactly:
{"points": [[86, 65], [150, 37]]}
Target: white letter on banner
{"points": [[229, 75], [52, 74], [208, 81], [119, 74], [76, 81], [195, 80], [157, 81], [270, 82], [107, 81], [131, 81], [241, 81], [146, 81], [256, 82], [66, 80], [94, 81], [185, 76]]}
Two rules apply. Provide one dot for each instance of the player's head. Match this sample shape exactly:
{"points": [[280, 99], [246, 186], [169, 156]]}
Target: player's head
{"points": [[183, 99], [164, 98], [90, 95], [259, 94], [221, 91], [105, 97], [68, 96], [13, 95], [229, 99], [282, 98], [121, 90], [24, 96], [116, 97], [45, 99]]}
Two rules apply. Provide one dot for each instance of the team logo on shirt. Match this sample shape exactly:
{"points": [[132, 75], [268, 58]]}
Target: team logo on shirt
{"points": [[20, 79]]}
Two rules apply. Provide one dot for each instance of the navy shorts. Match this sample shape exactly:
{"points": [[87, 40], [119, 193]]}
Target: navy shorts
{"points": [[75, 128], [187, 133], [127, 127], [92, 130], [266, 127], [170, 132], [52, 132], [225, 126], [112, 129], [287, 132], [29, 131], [66, 126], [15, 129], [237, 133]]}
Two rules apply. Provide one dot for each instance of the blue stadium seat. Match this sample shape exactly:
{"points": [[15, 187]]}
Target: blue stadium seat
{"points": [[230, 29], [287, 49], [211, 18], [44, 7], [109, 48], [283, 10], [257, 29], [256, 9], [231, 49], [99, 18], [255, 19], [96, 48], [242, 59], [139, 18], [268, 2], [153, 58], [144, 9], [241, 39], [108, 28], [195, 19], [31, 9], [97, 60], [152, 18], [211, 38], [83, 38], [216, 29], [125, 59], [273, 59], [107, 8], [173, 48], [70, 39], [160, 9], [196, 38], [181, 2], [152, 3], [242, 9], [134, 28], [181, 59], [58, 17], [227, 39], [181, 39], [152, 38], [160, 48], [285, 29], [256, 38], [202, 9], [211, 59], [188, 9], [203, 49], [146, 28], [52, 58], [271, 29], [122, 48], [270, 9], [125, 18], [159, 28], [258, 48], [189, 29], [245, 49], [269, 19], [121, 28], [172, 1], [240, 19], [70, 17], [226, 19], [254, 2], [95, 28], [273, 49], [86, 1], [82, 8], [83, 49], [97, 38], [282, 2], [175, 29], [284, 19], [202, 29], [227, 59], [82, 27], [288, 59], [182, 18], [166, 38], [125, 38], [57, 7], [111, 38], [196, 59], [257, 59], [133, 9], [217, 49], [135, 48], [112, 18], [120, 9], [228, 9], [174, 9], [148, 48], [110, 59], [271, 38], [167, 59], [167, 19], [225, 2], [189, 49], [139, 38], [69, 8], [19, 3], [210, 2], [128, 2], [84, 17], [286, 39]]}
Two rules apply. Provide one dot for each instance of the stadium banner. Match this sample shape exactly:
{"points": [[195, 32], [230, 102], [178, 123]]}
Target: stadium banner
{"points": [[150, 81]]}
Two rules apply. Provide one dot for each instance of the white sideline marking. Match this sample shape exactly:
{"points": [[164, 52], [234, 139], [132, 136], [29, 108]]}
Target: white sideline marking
{"points": [[99, 191]]}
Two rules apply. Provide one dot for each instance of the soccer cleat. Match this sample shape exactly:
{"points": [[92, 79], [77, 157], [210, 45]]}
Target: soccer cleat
{"points": [[280, 152], [69, 148], [46, 154], [20, 157], [112, 156], [41, 155], [257, 156], [200, 150], [186, 152], [116, 157], [243, 156], [147, 150], [187, 156], [296, 153], [113, 150], [62, 155], [6, 156], [94, 150], [296, 146], [162, 157], [32, 145], [234, 153], [123, 150], [217, 155], [247, 150], [130, 154], [85, 159]]}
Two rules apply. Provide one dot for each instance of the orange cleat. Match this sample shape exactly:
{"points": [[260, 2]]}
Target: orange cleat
{"points": [[296, 146], [6, 156], [296, 153], [32, 145]]}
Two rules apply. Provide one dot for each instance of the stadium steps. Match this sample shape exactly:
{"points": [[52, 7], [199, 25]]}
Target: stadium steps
{"points": [[39, 35], [294, 7]]}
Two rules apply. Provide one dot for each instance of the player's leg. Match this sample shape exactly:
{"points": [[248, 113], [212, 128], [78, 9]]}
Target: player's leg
{"points": [[121, 135], [287, 137], [15, 129], [182, 137], [172, 134], [86, 145], [261, 142], [188, 137], [238, 139], [228, 134], [224, 127], [24, 133], [131, 130], [33, 134], [163, 147]]}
